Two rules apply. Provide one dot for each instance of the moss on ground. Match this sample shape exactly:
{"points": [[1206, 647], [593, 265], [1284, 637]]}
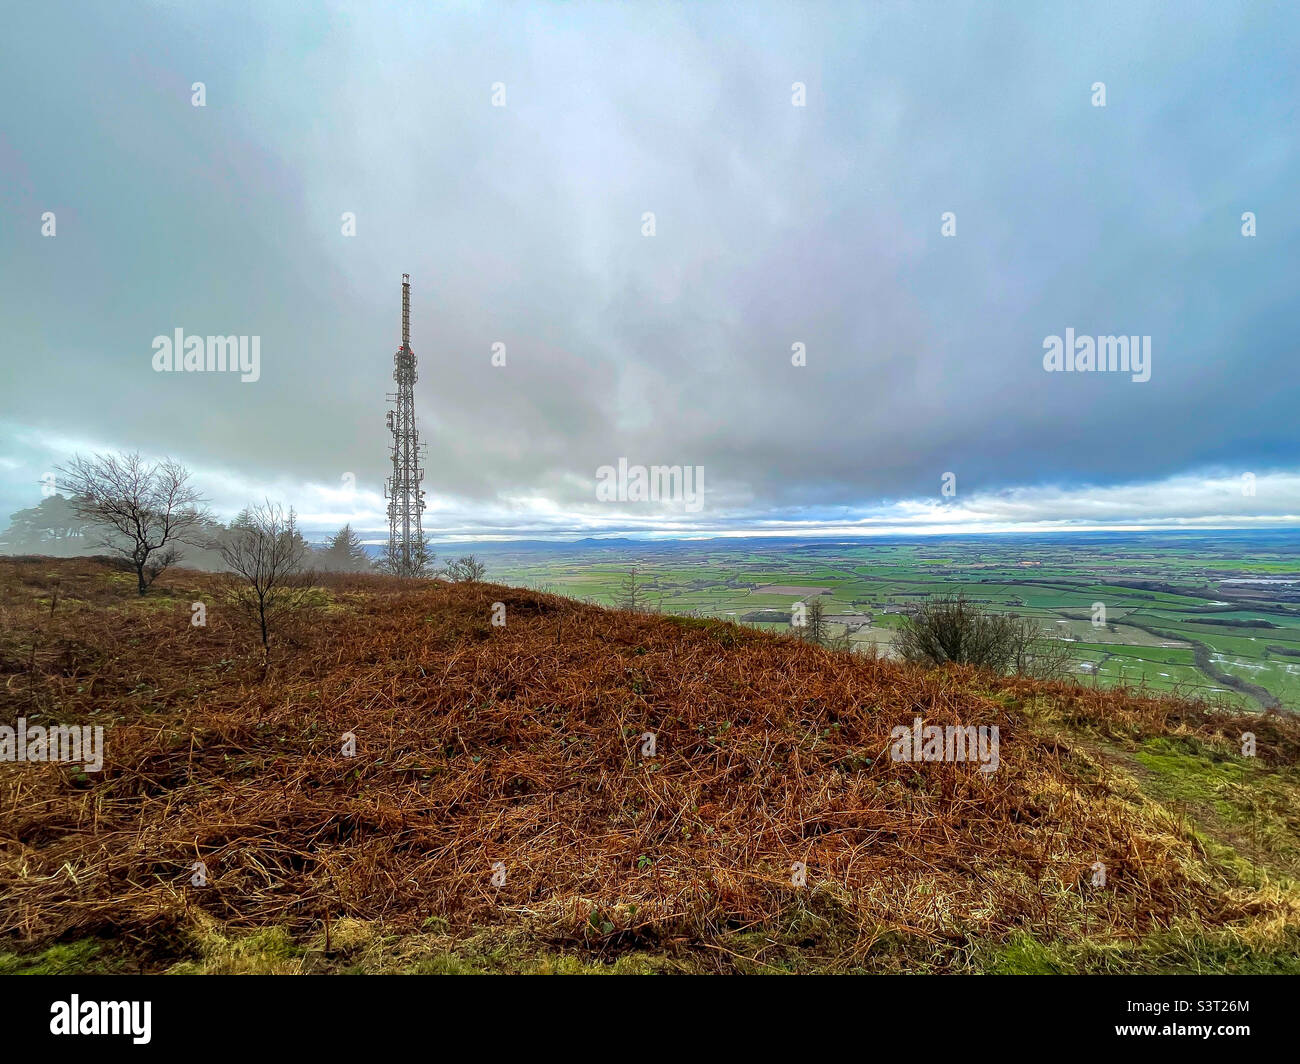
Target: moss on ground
{"points": [[1181, 951], [85, 957], [1247, 808]]}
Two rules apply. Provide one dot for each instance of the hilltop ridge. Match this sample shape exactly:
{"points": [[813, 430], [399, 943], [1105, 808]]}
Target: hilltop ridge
{"points": [[504, 811]]}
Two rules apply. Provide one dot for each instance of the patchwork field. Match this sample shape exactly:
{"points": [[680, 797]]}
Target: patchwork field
{"points": [[1216, 614]]}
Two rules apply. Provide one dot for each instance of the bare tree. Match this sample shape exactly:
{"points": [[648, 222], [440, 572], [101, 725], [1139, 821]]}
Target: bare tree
{"points": [[1035, 654], [394, 563], [465, 570], [265, 557], [147, 509]]}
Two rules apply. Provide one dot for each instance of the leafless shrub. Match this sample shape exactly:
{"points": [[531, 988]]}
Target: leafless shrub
{"points": [[265, 558], [1039, 655], [465, 570], [144, 510], [415, 562], [949, 628]]}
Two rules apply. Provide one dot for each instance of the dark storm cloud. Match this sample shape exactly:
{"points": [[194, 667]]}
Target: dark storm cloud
{"points": [[775, 225]]}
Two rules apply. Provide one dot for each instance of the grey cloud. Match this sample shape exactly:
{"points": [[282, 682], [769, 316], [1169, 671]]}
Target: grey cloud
{"points": [[775, 224]]}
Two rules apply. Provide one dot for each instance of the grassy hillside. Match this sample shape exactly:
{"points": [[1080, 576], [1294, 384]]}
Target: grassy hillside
{"points": [[484, 749]]}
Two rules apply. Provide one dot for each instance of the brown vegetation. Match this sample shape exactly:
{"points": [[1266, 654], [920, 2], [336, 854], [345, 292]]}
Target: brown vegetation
{"points": [[522, 745]]}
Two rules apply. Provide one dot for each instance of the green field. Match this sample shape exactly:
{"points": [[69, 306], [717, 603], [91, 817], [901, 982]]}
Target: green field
{"points": [[1216, 614]]}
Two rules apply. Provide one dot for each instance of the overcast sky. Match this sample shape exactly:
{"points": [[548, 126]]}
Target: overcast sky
{"points": [[774, 225]]}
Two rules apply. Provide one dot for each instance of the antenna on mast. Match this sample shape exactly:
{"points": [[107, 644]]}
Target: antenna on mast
{"points": [[406, 310], [407, 554]]}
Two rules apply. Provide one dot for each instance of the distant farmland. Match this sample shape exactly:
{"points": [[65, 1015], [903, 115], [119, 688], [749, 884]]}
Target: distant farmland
{"points": [[1201, 613]]}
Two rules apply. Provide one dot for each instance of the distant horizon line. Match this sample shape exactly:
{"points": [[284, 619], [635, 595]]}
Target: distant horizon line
{"points": [[563, 538]]}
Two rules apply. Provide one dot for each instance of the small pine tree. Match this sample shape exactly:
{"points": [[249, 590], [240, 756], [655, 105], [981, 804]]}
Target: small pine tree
{"points": [[54, 527], [345, 553], [816, 629], [631, 592]]}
